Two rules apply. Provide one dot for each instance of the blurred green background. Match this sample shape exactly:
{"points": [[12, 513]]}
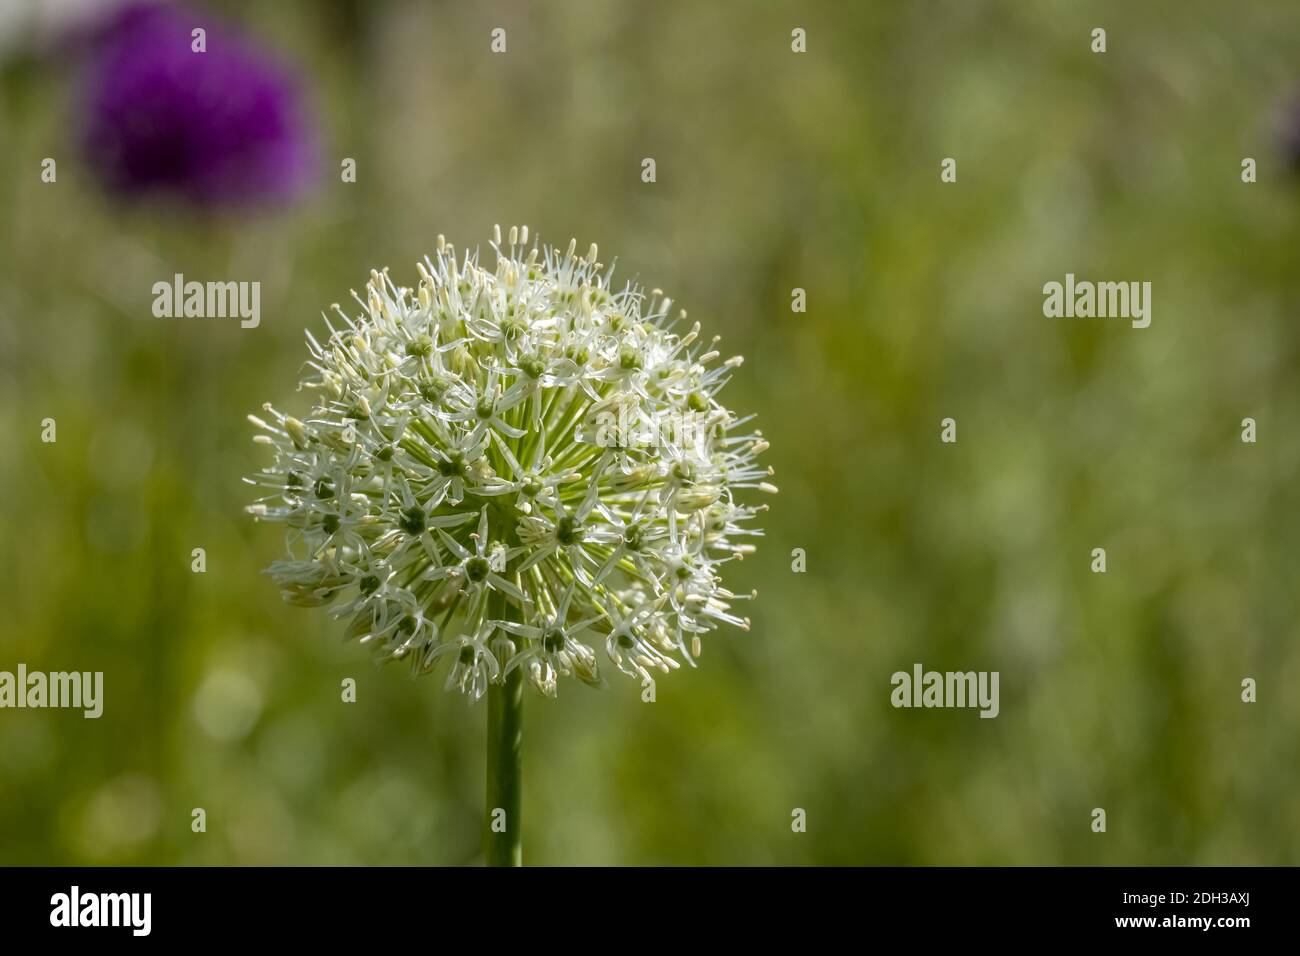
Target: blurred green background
{"points": [[775, 171]]}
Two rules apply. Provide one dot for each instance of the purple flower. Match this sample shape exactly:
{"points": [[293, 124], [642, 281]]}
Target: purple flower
{"points": [[223, 126]]}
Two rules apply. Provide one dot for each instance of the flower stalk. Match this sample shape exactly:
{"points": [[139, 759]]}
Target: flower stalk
{"points": [[503, 836]]}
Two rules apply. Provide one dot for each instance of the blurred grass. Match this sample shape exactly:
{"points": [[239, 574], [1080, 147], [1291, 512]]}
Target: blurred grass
{"points": [[774, 171]]}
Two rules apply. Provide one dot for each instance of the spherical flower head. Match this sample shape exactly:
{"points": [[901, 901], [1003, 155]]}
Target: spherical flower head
{"points": [[222, 126], [515, 467]]}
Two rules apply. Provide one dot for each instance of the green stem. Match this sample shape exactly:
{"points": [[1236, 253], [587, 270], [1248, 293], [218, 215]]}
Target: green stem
{"points": [[503, 834]]}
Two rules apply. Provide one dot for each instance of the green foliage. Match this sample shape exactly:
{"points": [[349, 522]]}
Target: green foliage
{"points": [[775, 170]]}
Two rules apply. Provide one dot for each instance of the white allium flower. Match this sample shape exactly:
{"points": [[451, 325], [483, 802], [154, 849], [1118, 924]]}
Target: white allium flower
{"points": [[510, 467]]}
